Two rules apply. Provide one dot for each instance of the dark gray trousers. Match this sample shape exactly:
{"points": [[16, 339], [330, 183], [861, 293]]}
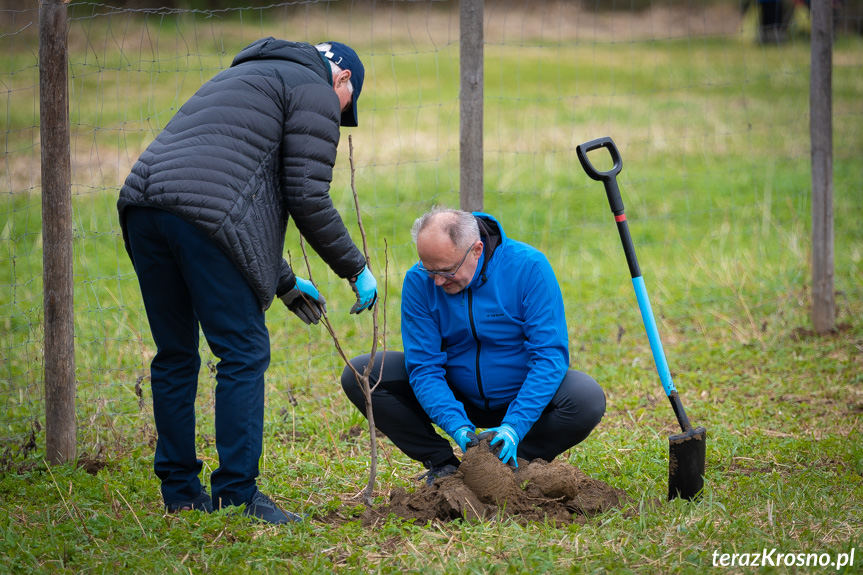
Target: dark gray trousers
{"points": [[571, 415]]}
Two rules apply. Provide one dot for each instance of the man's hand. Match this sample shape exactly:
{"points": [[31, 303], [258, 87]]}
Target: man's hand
{"points": [[508, 438], [305, 300], [365, 286], [465, 437]]}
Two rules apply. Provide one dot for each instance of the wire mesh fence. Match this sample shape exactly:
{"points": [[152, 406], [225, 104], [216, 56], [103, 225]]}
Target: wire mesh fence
{"points": [[712, 124]]}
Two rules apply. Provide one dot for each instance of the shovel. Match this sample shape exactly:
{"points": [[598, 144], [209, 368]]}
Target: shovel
{"points": [[687, 450]]}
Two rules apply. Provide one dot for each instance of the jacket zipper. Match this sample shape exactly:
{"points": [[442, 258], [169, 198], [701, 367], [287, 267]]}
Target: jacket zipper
{"points": [[478, 346]]}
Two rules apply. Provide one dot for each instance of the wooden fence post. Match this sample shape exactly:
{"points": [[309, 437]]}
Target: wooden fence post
{"points": [[58, 280], [471, 105], [821, 136]]}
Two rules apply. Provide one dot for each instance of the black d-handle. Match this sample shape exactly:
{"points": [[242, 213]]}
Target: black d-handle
{"points": [[609, 178]]}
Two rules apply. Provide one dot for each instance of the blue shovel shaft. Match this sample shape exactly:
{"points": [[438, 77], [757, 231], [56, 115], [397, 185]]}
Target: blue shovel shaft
{"points": [[658, 353], [653, 335]]}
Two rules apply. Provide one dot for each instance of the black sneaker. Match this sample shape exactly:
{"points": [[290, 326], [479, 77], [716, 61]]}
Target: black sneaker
{"points": [[200, 503], [437, 472], [262, 508]]}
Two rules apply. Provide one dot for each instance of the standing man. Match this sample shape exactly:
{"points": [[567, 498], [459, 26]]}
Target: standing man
{"points": [[204, 215], [485, 345]]}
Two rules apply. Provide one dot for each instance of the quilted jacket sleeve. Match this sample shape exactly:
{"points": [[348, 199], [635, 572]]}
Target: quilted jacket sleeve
{"points": [[308, 152]]}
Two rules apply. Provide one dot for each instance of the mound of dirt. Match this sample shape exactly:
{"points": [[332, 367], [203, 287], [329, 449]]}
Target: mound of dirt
{"points": [[484, 488]]}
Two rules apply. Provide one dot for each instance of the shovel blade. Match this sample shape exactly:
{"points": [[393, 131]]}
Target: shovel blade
{"points": [[686, 460]]}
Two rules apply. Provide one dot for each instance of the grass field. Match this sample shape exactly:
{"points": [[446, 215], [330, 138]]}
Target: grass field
{"points": [[714, 135]]}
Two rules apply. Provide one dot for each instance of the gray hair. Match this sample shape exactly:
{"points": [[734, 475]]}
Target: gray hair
{"points": [[335, 69], [460, 226]]}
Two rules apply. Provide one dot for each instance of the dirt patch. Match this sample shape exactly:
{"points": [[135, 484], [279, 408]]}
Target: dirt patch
{"points": [[92, 464], [485, 488], [802, 334], [95, 462], [291, 436]]}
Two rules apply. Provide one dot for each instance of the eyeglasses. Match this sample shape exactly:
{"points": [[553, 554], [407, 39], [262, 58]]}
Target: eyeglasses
{"points": [[448, 275]]}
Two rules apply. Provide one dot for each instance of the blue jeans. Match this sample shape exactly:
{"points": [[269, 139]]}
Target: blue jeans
{"points": [[187, 280]]}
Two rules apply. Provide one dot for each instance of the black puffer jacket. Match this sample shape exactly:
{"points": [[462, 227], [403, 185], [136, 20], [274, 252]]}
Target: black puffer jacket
{"points": [[254, 146]]}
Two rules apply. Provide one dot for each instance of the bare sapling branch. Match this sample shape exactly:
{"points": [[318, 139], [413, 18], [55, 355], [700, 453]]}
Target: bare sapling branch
{"points": [[324, 318], [384, 307], [363, 379], [357, 202]]}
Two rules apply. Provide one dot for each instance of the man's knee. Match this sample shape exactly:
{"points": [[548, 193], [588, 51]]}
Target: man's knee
{"points": [[594, 403], [585, 395], [596, 408]]}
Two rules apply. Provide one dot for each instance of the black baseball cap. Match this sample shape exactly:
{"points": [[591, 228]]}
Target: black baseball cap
{"points": [[345, 58]]}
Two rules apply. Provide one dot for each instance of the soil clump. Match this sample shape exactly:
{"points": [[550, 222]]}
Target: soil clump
{"points": [[484, 488]]}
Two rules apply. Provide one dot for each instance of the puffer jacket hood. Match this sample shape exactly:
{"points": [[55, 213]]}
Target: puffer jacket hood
{"points": [[252, 148], [296, 52]]}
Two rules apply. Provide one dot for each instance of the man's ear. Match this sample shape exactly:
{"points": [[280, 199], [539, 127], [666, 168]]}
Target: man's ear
{"points": [[343, 77], [478, 248]]}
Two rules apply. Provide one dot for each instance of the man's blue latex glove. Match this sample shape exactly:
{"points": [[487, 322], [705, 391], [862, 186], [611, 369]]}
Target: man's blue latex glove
{"points": [[465, 437], [366, 287], [305, 300], [508, 438]]}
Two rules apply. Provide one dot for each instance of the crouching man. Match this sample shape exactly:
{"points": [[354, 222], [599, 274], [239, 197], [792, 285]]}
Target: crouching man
{"points": [[485, 346]]}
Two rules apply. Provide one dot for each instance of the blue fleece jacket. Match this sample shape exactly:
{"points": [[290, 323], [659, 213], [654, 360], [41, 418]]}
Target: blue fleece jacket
{"points": [[502, 341]]}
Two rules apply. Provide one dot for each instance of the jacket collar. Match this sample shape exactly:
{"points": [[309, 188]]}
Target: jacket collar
{"points": [[297, 52], [493, 238]]}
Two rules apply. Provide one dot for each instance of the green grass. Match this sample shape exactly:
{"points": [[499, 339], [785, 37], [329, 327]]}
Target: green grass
{"points": [[784, 471], [714, 136]]}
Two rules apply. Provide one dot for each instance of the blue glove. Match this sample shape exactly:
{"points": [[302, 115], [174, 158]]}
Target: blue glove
{"points": [[366, 287], [465, 437], [508, 438], [305, 300]]}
